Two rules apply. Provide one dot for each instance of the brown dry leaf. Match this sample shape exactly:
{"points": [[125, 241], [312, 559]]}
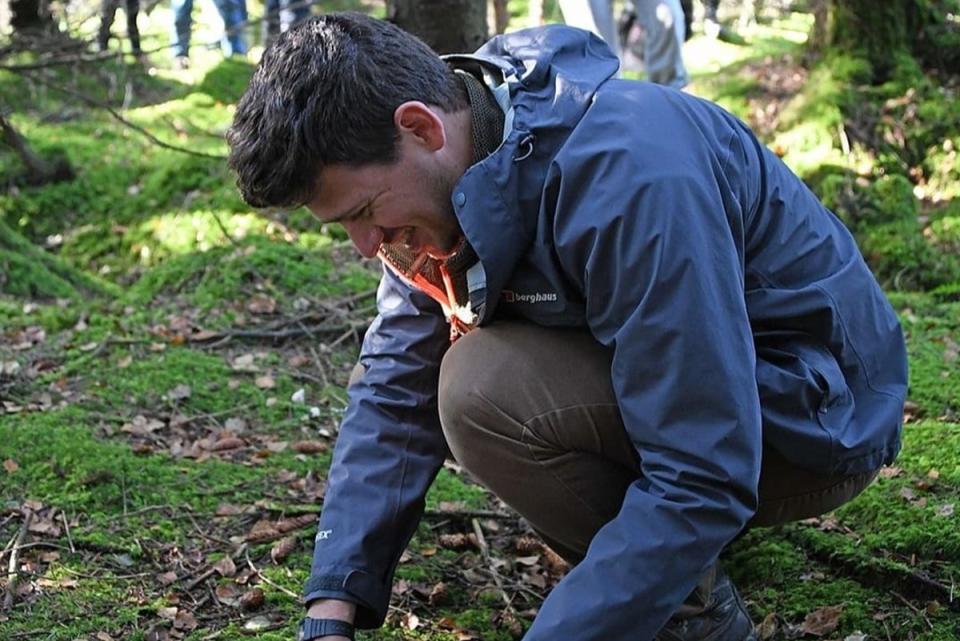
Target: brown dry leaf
{"points": [[228, 509], [141, 426], [167, 614], [298, 361], [10, 466], [438, 594], [265, 382], [235, 425], [103, 636], [227, 443], [767, 627], [180, 392], [261, 304], [428, 551], [282, 548], [244, 363], [278, 446], [166, 578], [185, 621], [933, 474], [889, 472], [822, 620], [310, 447], [252, 599], [125, 362], [411, 621], [225, 566], [528, 561], [228, 593]]}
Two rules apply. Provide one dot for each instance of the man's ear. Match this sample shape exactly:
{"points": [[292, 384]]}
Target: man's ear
{"points": [[416, 119]]}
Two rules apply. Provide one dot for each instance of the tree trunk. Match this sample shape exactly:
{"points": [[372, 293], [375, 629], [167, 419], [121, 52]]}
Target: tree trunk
{"points": [[38, 170], [501, 15], [448, 26], [29, 15], [878, 30]]}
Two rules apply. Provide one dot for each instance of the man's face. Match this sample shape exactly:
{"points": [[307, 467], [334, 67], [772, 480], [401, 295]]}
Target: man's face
{"points": [[406, 202]]}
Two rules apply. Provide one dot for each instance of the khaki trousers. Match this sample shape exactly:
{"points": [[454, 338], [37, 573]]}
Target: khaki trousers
{"points": [[530, 412]]}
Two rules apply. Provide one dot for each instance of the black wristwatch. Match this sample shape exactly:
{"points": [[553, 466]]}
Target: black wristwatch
{"points": [[311, 628]]}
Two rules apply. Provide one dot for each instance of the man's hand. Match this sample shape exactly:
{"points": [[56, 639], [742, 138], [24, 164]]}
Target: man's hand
{"points": [[332, 609]]}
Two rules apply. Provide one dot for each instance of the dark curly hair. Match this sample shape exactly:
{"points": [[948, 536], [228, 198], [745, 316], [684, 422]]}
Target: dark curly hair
{"points": [[325, 92]]}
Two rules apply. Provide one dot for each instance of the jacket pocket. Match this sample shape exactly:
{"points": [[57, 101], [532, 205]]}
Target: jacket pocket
{"points": [[806, 404]]}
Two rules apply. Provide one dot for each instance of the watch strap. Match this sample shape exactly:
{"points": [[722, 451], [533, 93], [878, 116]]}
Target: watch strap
{"points": [[311, 628]]}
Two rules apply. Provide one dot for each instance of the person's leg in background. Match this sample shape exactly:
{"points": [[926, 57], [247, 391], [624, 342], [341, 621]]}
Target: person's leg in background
{"points": [[511, 410], [133, 31], [292, 12], [233, 13], [595, 16], [271, 21], [108, 11], [664, 27], [182, 24]]}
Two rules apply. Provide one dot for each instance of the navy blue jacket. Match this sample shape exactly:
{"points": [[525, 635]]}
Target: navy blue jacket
{"points": [[739, 312]]}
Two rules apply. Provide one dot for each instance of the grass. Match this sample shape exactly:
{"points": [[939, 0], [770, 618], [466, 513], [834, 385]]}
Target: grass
{"points": [[114, 404]]}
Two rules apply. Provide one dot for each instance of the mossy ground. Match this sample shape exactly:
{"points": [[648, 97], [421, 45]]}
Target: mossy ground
{"points": [[175, 319]]}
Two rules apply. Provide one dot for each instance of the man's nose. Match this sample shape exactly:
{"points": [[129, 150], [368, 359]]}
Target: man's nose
{"points": [[366, 238]]}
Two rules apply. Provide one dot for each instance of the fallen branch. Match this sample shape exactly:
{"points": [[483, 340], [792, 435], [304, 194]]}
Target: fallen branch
{"points": [[13, 576]]}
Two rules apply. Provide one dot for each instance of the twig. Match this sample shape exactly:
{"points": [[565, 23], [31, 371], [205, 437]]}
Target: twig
{"points": [[102, 105], [485, 552], [66, 527], [12, 575], [912, 607], [263, 578]]}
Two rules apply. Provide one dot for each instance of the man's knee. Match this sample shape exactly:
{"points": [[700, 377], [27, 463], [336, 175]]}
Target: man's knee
{"points": [[467, 396]]}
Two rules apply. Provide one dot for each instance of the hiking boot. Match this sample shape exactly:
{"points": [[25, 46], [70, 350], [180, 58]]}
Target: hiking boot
{"points": [[722, 618]]}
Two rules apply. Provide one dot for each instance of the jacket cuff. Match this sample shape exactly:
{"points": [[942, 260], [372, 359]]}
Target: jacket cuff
{"points": [[362, 588]]}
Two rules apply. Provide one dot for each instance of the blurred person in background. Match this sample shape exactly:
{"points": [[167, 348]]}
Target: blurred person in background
{"points": [[108, 11], [234, 16]]}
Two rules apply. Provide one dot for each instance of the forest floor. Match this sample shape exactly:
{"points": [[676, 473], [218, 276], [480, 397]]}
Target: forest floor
{"points": [[164, 443]]}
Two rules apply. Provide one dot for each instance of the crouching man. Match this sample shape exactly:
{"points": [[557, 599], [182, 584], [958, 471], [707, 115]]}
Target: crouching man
{"points": [[618, 310]]}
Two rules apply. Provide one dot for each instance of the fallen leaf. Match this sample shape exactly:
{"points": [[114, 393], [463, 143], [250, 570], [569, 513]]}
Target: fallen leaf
{"points": [[235, 425], [10, 466], [228, 593], [767, 627], [265, 382], [822, 620], [258, 624], [180, 392], [167, 614], [856, 636], [167, 578], [185, 620], [227, 443], [411, 621], [225, 567], [889, 472], [945, 510], [261, 304]]}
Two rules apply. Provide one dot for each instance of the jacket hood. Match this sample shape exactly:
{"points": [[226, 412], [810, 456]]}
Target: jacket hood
{"points": [[545, 78]]}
